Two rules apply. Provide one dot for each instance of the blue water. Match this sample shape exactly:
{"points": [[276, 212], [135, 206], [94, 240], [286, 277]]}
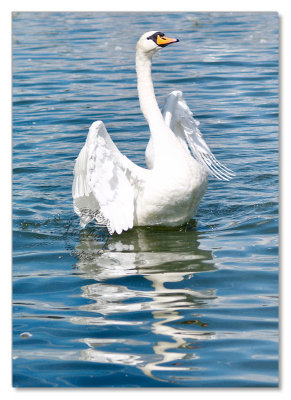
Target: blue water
{"points": [[192, 306]]}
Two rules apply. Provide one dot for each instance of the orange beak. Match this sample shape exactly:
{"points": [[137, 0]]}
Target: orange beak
{"points": [[164, 41]]}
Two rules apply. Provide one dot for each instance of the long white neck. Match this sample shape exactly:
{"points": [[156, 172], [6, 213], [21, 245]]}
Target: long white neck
{"points": [[146, 94]]}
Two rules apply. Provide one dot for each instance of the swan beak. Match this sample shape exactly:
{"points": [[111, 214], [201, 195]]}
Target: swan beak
{"points": [[163, 41]]}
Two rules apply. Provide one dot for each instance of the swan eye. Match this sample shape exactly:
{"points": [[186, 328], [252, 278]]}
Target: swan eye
{"points": [[155, 35]]}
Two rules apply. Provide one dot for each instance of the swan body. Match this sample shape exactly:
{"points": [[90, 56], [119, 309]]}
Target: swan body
{"points": [[111, 189]]}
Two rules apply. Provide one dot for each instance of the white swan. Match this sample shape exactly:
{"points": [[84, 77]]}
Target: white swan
{"points": [[111, 189]]}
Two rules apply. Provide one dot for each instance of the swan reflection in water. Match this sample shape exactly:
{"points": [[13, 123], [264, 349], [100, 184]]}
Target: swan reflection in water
{"points": [[160, 256]]}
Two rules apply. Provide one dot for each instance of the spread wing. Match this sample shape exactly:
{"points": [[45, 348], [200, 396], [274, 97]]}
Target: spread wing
{"points": [[105, 182], [180, 119]]}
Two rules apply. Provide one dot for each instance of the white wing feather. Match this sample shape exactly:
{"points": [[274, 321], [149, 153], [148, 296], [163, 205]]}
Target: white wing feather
{"points": [[180, 120], [103, 182]]}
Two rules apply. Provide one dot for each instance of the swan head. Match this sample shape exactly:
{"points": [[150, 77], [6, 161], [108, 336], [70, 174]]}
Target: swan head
{"points": [[150, 42]]}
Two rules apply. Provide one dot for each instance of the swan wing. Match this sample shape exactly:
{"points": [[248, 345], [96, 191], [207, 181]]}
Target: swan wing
{"points": [[179, 119], [105, 182]]}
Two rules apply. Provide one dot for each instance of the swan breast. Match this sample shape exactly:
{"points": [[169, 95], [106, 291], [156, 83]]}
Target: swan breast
{"points": [[171, 197]]}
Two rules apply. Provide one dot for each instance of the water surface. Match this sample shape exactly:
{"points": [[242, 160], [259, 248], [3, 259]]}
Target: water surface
{"points": [[190, 306]]}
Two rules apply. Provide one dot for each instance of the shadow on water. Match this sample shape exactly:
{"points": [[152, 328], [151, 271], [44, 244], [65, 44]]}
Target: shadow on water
{"points": [[160, 262]]}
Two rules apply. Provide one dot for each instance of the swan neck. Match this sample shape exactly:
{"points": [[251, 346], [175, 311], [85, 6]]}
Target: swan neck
{"points": [[146, 94]]}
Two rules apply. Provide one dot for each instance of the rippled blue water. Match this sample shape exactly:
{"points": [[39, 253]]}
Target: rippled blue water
{"points": [[195, 306]]}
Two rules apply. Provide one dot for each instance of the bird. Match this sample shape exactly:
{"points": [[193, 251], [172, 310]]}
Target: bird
{"points": [[111, 190]]}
